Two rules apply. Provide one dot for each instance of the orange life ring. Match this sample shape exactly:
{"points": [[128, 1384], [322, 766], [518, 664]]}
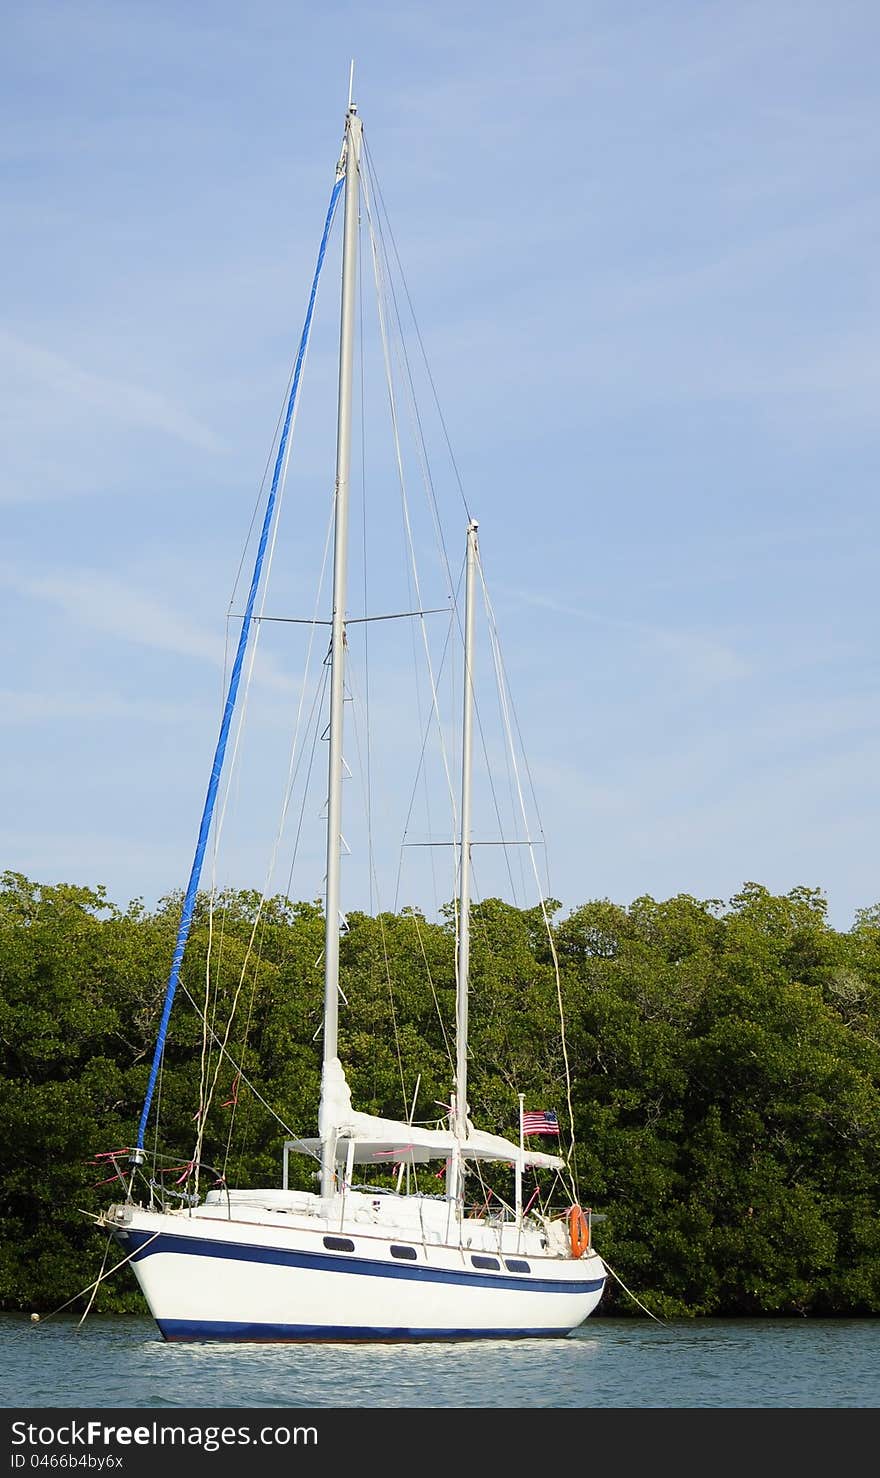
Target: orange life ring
{"points": [[578, 1231]]}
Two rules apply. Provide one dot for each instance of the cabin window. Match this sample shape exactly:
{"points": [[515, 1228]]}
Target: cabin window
{"points": [[339, 1244], [407, 1252], [485, 1262], [516, 1265]]}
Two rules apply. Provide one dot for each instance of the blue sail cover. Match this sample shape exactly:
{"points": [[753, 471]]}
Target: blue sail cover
{"points": [[220, 751]]}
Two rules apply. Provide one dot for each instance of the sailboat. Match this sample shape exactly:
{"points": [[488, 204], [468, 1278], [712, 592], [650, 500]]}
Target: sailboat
{"points": [[348, 1261]]}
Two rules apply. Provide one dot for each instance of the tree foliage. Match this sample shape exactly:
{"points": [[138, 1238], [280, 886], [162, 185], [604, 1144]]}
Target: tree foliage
{"points": [[723, 1062]]}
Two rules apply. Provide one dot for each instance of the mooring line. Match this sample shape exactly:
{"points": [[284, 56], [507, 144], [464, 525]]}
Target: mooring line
{"points": [[631, 1294], [93, 1286], [97, 1280]]}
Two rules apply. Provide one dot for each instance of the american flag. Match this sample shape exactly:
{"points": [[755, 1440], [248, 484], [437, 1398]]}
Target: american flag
{"points": [[540, 1121]]}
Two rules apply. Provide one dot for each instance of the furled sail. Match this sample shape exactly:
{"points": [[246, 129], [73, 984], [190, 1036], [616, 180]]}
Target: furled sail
{"points": [[377, 1141]]}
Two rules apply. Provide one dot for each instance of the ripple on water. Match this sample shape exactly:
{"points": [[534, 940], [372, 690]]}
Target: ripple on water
{"points": [[625, 1363]]}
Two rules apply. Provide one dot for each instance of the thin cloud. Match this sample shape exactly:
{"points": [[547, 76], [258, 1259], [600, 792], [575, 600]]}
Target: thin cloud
{"points": [[101, 603], [697, 656], [17, 707], [104, 604], [38, 376]]}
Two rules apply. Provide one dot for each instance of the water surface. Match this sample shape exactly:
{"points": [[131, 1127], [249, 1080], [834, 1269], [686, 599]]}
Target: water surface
{"points": [[123, 1362]]}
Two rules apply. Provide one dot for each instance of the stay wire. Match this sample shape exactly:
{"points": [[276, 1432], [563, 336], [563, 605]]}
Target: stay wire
{"points": [[543, 904], [402, 482], [381, 200]]}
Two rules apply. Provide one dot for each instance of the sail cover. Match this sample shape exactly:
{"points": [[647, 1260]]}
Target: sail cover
{"points": [[377, 1141], [383, 1141]]}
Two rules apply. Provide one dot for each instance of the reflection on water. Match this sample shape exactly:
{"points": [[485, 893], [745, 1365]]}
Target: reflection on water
{"points": [[624, 1363]]}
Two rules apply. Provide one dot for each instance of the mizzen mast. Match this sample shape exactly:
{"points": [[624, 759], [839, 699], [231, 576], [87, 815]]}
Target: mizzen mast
{"points": [[464, 866]]}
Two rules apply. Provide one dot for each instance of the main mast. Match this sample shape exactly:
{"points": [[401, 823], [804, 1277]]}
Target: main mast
{"points": [[351, 156]]}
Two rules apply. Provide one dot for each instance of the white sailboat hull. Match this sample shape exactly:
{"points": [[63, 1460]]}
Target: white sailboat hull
{"points": [[240, 1280]]}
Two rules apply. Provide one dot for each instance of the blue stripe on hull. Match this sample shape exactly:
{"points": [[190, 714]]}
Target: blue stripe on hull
{"points": [[357, 1266], [197, 1329]]}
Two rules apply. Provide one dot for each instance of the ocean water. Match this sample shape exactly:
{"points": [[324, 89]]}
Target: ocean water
{"points": [[123, 1362]]}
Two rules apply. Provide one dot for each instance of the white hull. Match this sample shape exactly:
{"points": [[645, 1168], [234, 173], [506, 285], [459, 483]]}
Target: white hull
{"points": [[265, 1275]]}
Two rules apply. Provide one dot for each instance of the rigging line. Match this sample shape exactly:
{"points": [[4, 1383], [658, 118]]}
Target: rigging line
{"points": [[374, 881], [520, 894], [417, 429], [415, 414], [403, 361], [397, 1050], [317, 706], [496, 805], [259, 497], [454, 599], [402, 481], [205, 1054], [421, 761], [215, 1001], [248, 1083], [158, 1110], [317, 698], [414, 914], [446, 1042], [279, 482], [400, 344], [278, 485], [412, 572], [543, 903], [272, 445], [258, 959], [293, 771], [291, 774], [374, 177], [481, 925], [420, 441], [429, 487], [479, 922], [380, 301], [206, 1106], [525, 760], [208, 810], [205, 1060], [295, 758]]}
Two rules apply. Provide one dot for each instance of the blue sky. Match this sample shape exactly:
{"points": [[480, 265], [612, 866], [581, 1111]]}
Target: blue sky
{"points": [[642, 245]]}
